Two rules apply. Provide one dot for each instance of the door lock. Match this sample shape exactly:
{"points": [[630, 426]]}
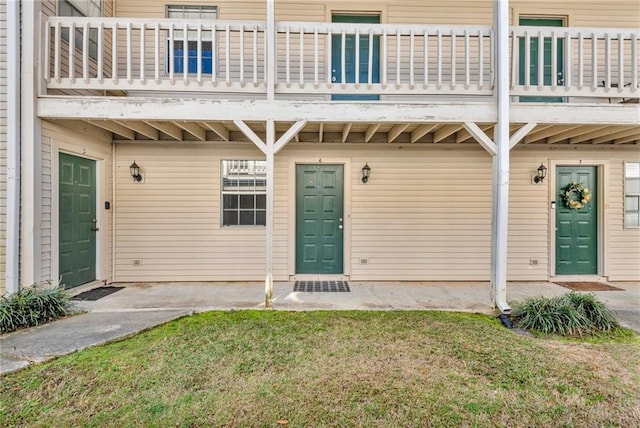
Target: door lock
{"points": [[94, 228]]}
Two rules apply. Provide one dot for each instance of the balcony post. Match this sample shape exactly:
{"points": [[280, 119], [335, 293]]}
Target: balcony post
{"points": [[271, 50], [270, 153], [500, 203]]}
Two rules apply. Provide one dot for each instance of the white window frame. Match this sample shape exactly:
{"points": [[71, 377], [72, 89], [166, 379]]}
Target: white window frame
{"points": [[251, 170], [178, 35], [86, 8], [629, 195]]}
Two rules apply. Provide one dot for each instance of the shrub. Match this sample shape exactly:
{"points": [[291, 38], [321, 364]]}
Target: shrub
{"points": [[569, 314], [33, 305]]}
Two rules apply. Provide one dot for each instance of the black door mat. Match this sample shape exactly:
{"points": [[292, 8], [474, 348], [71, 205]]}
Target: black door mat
{"points": [[96, 293], [322, 286], [587, 286]]}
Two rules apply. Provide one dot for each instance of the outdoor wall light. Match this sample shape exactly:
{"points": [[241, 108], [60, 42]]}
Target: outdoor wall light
{"points": [[366, 171], [542, 173], [134, 169]]}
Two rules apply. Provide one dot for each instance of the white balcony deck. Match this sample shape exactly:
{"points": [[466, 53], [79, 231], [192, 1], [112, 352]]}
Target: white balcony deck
{"points": [[418, 63]]}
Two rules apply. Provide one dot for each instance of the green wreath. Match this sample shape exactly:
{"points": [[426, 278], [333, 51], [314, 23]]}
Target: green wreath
{"points": [[576, 196]]}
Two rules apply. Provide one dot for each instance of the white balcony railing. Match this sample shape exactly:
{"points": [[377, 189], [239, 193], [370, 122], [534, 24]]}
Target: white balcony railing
{"points": [[322, 59]]}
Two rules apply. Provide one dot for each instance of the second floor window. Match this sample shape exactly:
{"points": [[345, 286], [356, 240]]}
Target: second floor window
{"points": [[86, 8], [632, 195], [189, 42]]}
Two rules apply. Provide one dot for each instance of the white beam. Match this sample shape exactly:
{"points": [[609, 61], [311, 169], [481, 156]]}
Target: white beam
{"points": [[167, 128], [31, 150], [500, 215], [12, 265], [194, 129], [396, 131], [321, 133], [520, 134], [141, 128], [345, 131], [422, 130], [218, 128], [287, 136], [583, 114], [542, 134], [481, 137], [371, 131], [270, 155], [248, 132], [629, 139], [270, 40], [199, 110]]}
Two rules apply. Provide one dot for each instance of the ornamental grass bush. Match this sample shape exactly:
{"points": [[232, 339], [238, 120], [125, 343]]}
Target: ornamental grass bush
{"points": [[32, 306], [572, 314]]}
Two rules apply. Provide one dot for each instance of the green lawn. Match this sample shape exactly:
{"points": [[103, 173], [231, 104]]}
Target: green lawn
{"points": [[254, 368]]}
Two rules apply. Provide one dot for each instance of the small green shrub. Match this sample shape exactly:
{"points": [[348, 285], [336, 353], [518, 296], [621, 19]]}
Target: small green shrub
{"points": [[568, 315], [33, 305]]}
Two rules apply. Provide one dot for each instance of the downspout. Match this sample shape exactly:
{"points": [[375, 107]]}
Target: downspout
{"points": [[13, 147], [501, 160]]}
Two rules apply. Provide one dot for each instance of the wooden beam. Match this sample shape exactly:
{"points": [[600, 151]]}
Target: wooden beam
{"points": [[141, 128], [321, 133], [608, 130], [345, 131], [629, 139], [422, 130], [464, 135], [218, 128], [520, 134], [251, 135], [561, 136], [287, 136], [114, 127], [543, 134], [167, 128], [194, 129], [371, 131], [396, 131], [445, 132], [617, 135], [481, 138]]}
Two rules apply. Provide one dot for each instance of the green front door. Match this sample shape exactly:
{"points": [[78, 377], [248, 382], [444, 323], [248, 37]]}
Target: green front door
{"points": [[532, 67], [576, 229], [77, 214], [319, 219], [350, 57]]}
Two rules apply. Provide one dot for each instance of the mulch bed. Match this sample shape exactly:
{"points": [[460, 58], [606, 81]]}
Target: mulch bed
{"points": [[588, 286]]}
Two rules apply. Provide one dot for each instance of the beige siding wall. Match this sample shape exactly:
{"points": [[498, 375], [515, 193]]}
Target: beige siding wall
{"points": [[3, 143], [424, 215], [617, 13], [88, 142]]}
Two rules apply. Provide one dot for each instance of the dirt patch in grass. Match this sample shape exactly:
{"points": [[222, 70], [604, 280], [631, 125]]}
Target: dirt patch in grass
{"points": [[252, 368]]}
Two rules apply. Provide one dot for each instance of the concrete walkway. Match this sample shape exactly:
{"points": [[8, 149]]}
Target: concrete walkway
{"points": [[140, 306]]}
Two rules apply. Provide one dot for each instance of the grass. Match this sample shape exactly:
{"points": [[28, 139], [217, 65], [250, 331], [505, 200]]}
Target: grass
{"points": [[254, 368]]}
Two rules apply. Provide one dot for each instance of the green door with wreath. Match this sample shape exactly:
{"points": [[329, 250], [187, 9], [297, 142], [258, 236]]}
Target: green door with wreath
{"points": [[576, 221]]}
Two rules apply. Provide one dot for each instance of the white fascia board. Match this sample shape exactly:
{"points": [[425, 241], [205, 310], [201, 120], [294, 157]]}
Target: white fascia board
{"points": [[580, 114], [169, 109]]}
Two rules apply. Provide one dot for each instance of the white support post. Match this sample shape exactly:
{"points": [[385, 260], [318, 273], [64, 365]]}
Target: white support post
{"points": [[13, 147], [270, 40], [500, 203], [268, 281], [31, 153]]}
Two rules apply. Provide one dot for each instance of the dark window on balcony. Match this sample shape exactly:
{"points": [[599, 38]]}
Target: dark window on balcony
{"points": [[192, 12], [85, 8]]}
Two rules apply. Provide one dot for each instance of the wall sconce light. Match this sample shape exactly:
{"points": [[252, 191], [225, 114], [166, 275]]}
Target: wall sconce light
{"points": [[134, 169], [366, 171], [542, 173]]}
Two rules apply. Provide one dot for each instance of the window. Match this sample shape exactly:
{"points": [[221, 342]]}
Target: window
{"points": [[192, 12], [86, 8], [244, 195], [632, 194]]}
